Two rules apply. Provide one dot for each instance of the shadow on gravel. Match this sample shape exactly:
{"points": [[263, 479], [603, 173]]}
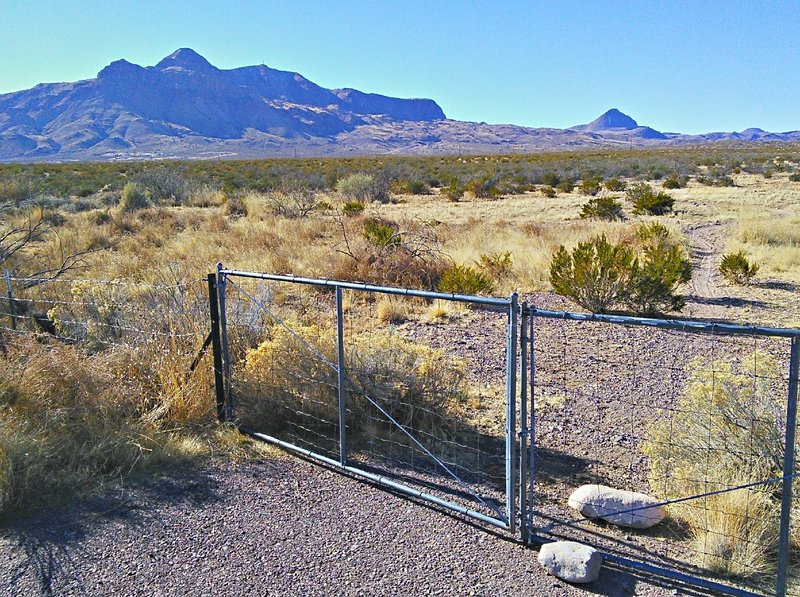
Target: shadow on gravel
{"points": [[726, 301], [50, 541], [777, 285]]}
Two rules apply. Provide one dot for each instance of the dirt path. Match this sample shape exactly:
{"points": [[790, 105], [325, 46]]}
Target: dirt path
{"points": [[276, 527], [704, 297]]}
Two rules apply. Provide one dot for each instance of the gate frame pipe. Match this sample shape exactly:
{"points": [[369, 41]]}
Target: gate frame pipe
{"points": [[511, 411], [788, 470]]}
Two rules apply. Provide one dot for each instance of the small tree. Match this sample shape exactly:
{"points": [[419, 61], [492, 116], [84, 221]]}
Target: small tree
{"points": [[602, 208], [596, 274], [736, 268]]}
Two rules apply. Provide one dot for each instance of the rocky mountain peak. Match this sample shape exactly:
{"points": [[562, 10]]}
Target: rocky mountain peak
{"points": [[613, 120], [187, 59]]}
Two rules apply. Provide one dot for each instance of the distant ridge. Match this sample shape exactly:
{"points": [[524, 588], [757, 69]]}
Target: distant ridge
{"points": [[185, 107]]}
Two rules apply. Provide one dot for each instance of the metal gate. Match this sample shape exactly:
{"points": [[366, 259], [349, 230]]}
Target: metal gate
{"points": [[306, 365], [501, 425]]}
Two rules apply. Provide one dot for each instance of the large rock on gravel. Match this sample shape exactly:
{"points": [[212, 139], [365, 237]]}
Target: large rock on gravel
{"points": [[623, 508], [571, 561]]}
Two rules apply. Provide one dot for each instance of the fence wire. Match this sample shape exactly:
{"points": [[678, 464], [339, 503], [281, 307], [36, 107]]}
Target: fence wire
{"points": [[696, 421]]}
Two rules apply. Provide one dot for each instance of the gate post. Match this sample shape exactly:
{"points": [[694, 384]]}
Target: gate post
{"points": [[511, 411], [226, 353], [216, 346], [340, 377], [524, 431], [788, 469]]}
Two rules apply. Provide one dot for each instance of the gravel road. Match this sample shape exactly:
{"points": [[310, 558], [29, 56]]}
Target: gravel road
{"points": [[273, 527]]}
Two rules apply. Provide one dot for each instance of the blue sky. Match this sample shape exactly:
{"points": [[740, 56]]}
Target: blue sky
{"points": [[693, 66]]}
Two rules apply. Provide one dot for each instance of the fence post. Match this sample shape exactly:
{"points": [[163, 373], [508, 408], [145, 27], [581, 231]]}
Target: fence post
{"points": [[223, 335], [10, 294], [532, 424], [524, 431], [216, 346], [788, 469], [341, 377], [511, 411]]}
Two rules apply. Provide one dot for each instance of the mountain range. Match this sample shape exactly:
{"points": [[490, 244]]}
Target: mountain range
{"points": [[184, 107]]}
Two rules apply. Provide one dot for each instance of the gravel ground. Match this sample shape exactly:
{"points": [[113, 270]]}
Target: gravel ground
{"points": [[273, 527]]}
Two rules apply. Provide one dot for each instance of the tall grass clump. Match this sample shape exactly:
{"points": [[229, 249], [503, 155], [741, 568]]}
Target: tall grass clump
{"points": [[725, 431], [71, 420], [288, 373]]}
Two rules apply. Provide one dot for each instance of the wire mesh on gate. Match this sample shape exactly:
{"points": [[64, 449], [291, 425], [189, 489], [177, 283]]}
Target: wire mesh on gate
{"points": [[424, 384], [696, 421]]}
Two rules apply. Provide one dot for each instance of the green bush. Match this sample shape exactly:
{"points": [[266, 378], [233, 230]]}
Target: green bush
{"points": [[495, 265], [736, 268], [597, 275], [134, 197], [675, 182], [663, 267], [795, 177], [453, 191], [646, 201], [484, 187], [363, 188], [602, 208], [549, 192], [462, 279], [550, 179], [566, 186], [615, 185], [591, 186], [352, 208], [380, 234], [644, 279]]}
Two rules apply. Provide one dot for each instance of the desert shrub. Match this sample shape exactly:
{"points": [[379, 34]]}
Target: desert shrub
{"points": [[673, 181], [454, 191], [381, 233], [736, 268], [615, 184], [15, 192], [767, 173], [165, 185], [643, 278], [602, 208], [484, 187], [550, 179], [548, 192], [101, 217], [386, 253], [235, 206], [716, 181], [408, 186], [352, 208], [597, 275], [134, 197], [363, 188], [794, 177], [591, 186], [663, 266], [566, 186], [282, 376], [646, 201], [463, 279], [495, 265], [292, 201], [724, 431]]}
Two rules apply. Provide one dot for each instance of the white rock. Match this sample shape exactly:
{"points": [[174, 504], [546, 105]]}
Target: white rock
{"points": [[571, 561], [599, 501]]}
